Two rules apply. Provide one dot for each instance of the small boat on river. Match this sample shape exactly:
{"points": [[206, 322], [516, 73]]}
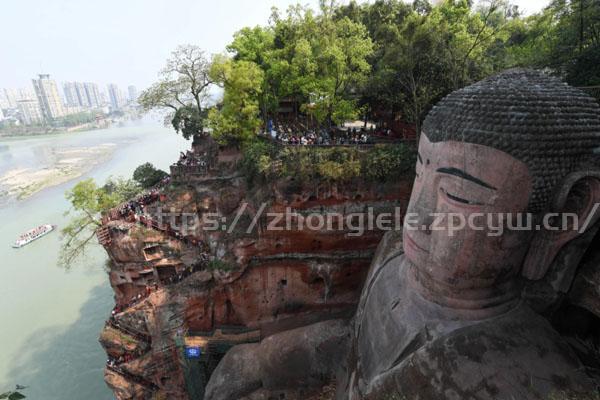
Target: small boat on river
{"points": [[32, 235]]}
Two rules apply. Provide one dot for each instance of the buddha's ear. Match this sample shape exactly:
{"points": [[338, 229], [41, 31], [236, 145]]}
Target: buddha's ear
{"points": [[574, 208]]}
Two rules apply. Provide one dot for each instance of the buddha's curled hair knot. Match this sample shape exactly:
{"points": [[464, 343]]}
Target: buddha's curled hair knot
{"points": [[538, 119]]}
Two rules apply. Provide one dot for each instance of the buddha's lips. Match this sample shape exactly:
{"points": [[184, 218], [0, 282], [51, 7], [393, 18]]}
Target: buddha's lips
{"points": [[410, 241]]}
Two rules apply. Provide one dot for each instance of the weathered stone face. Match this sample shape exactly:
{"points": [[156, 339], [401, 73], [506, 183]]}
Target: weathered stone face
{"points": [[538, 119], [456, 183]]}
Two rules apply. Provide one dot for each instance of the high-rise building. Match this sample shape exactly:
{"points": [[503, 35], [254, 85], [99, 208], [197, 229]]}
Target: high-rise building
{"points": [[71, 97], [93, 94], [30, 112], [11, 96], [48, 97], [103, 98], [115, 96], [82, 97], [79, 94], [133, 94]]}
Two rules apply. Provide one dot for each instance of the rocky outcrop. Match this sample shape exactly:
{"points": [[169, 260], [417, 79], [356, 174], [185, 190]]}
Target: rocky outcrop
{"points": [[213, 273]]}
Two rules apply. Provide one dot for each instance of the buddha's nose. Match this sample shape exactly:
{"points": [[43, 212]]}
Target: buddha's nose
{"points": [[424, 208]]}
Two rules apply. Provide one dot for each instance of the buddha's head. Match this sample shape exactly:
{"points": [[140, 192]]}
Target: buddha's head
{"points": [[518, 142]]}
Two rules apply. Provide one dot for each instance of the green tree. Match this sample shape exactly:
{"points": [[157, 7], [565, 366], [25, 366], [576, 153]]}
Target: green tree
{"points": [[258, 46], [423, 52], [327, 61], [564, 38], [183, 90], [147, 175], [14, 394], [237, 118], [88, 202], [123, 189]]}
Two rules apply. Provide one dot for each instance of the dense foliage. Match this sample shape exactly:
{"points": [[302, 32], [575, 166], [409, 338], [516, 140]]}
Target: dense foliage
{"points": [[147, 175], [317, 60], [14, 394], [264, 160], [382, 60], [236, 118], [89, 201], [80, 118]]}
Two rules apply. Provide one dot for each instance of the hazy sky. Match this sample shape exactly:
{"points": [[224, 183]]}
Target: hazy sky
{"points": [[121, 41]]}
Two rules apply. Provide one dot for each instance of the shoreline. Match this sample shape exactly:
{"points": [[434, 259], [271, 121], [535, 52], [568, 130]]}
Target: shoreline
{"points": [[74, 129], [69, 164]]}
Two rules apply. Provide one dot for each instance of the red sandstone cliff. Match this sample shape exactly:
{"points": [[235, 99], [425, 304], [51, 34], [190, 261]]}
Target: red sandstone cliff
{"points": [[221, 287]]}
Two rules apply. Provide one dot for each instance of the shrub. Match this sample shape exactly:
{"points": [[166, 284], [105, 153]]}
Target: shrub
{"points": [[220, 265], [389, 161], [306, 163], [256, 154]]}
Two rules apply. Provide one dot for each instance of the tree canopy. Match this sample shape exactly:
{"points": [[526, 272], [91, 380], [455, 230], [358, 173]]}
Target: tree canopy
{"points": [[14, 394], [237, 117], [382, 59], [182, 90], [147, 175], [88, 202]]}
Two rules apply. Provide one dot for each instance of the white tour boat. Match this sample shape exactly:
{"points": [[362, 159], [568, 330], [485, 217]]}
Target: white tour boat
{"points": [[33, 234]]}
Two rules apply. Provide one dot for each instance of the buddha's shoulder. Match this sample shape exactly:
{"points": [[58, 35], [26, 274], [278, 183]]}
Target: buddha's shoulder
{"points": [[533, 359]]}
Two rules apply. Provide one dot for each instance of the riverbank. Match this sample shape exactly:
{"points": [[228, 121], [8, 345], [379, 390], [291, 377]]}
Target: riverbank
{"points": [[67, 164]]}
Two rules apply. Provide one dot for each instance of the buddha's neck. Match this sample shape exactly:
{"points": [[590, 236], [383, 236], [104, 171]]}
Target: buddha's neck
{"points": [[477, 303]]}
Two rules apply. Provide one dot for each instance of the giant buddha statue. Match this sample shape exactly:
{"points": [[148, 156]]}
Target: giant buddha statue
{"points": [[441, 314]]}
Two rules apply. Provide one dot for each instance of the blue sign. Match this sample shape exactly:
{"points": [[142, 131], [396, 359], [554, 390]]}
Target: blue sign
{"points": [[193, 352]]}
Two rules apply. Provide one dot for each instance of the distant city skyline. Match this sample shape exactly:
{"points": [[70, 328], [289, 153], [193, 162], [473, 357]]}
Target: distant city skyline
{"points": [[122, 42], [48, 101]]}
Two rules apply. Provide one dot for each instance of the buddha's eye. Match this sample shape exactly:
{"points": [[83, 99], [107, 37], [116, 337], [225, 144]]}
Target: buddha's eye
{"points": [[458, 199]]}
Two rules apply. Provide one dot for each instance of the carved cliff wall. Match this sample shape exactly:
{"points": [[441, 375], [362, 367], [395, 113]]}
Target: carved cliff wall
{"points": [[212, 273]]}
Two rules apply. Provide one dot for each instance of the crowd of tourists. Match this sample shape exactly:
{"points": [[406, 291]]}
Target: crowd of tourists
{"points": [[323, 137], [113, 322], [115, 365], [190, 159], [299, 133], [134, 300], [139, 203], [176, 278], [136, 210], [34, 233], [117, 361]]}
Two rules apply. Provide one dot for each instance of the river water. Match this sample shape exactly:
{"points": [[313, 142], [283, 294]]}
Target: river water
{"points": [[50, 318]]}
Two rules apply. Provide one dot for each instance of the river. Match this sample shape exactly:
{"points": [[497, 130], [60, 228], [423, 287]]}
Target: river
{"points": [[50, 318]]}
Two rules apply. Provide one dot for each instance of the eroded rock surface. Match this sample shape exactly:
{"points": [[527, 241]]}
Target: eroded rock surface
{"points": [[216, 288]]}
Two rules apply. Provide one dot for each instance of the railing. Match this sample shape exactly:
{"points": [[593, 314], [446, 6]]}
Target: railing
{"points": [[113, 323], [125, 209], [130, 377], [382, 140], [103, 236], [187, 170]]}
